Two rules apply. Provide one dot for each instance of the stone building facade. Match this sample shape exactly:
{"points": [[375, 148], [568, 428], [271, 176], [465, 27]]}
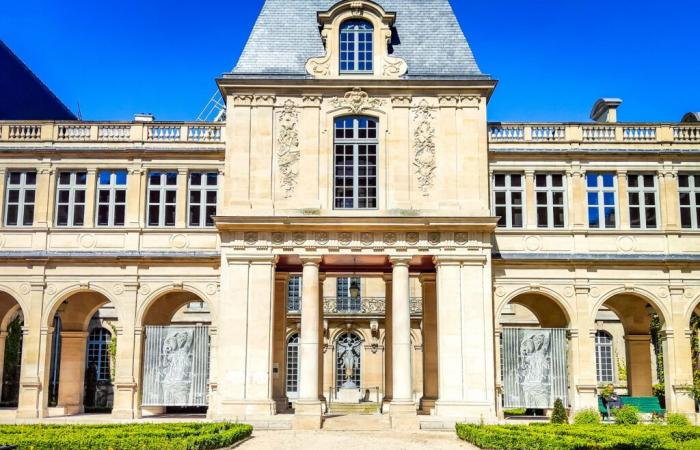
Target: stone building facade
{"points": [[355, 224]]}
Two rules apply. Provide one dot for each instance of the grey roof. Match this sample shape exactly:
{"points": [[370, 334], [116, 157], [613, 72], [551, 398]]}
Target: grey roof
{"points": [[427, 36], [23, 96]]}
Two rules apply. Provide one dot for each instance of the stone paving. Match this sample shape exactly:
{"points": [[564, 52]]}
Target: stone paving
{"points": [[353, 440]]}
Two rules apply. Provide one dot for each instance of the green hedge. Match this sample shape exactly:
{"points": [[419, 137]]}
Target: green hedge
{"points": [[575, 437], [162, 436]]}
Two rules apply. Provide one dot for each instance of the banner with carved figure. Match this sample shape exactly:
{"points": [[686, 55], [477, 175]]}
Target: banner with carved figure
{"points": [[534, 367], [176, 366]]}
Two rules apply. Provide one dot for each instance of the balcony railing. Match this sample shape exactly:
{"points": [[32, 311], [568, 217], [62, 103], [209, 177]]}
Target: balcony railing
{"points": [[591, 133], [147, 132], [350, 306]]}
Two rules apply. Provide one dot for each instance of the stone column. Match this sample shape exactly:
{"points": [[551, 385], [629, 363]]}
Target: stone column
{"points": [[403, 407], [388, 342], [466, 375], [71, 387], [578, 200], [308, 408], [623, 200], [639, 364], [668, 189], [34, 379], [182, 198], [430, 351], [530, 200], [126, 368], [244, 330], [678, 363], [135, 197], [582, 368], [90, 195], [3, 339], [279, 349]]}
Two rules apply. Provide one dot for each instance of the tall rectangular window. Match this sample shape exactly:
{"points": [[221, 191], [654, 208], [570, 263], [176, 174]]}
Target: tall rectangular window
{"points": [[550, 193], [21, 195], [602, 203], [508, 199], [294, 294], [203, 188], [643, 201], [689, 198], [355, 163], [356, 47], [111, 198], [70, 199], [162, 198]]}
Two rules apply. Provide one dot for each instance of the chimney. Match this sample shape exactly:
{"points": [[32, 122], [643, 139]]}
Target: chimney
{"points": [[691, 117], [605, 110], [144, 117]]}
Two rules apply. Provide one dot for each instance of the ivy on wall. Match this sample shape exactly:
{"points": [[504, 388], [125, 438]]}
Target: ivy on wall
{"points": [[12, 361]]}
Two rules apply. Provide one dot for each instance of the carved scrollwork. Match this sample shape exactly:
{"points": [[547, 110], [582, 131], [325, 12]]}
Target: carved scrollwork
{"points": [[424, 149], [356, 100], [288, 148]]}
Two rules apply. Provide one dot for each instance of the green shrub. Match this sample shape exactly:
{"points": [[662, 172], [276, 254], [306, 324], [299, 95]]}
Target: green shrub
{"points": [[627, 415], [515, 412], [658, 390], [677, 420], [579, 437], [588, 416], [171, 436], [559, 415]]}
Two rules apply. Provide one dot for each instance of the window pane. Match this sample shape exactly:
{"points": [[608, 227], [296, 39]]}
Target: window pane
{"points": [[119, 215]]}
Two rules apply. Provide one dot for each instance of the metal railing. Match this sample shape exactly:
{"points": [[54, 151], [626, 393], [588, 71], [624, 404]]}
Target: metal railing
{"points": [[350, 306]]}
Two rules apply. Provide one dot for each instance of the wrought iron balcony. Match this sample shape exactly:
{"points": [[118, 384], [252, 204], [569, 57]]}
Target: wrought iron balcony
{"points": [[365, 306]]}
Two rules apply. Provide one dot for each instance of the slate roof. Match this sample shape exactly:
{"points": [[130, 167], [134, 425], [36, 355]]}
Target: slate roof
{"points": [[427, 36], [23, 96]]}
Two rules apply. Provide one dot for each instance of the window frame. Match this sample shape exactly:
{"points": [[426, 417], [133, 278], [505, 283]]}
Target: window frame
{"points": [[549, 189], [112, 187], [509, 190], [353, 37], [600, 189], [345, 302], [97, 350], [292, 357], [641, 190], [356, 142], [693, 191], [294, 290], [72, 187], [203, 188], [162, 204], [607, 359], [21, 202]]}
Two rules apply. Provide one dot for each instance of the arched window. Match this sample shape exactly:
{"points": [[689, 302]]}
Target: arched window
{"points": [[356, 47], [293, 366], [348, 356], [98, 354], [604, 357], [355, 163]]}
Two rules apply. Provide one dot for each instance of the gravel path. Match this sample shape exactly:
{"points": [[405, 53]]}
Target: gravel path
{"points": [[353, 440]]}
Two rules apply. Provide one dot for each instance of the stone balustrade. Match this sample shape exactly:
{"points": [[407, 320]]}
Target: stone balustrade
{"points": [[361, 306], [155, 132], [592, 133]]}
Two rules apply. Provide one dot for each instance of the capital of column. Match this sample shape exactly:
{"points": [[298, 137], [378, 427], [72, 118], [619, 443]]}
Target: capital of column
{"points": [[427, 278], [311, 260], [638, 337], [74, 334], [400, 261], [282, 277]]}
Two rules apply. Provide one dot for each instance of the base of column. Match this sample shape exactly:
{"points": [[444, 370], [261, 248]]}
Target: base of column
{"points": [[32, 413], [68, 410], [124, 414], [403, 416], [232, 409], [282, 404], [308, 415], [468, 412]]}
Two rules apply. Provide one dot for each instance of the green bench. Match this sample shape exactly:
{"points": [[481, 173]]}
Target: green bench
{"points": [[645, 405]]}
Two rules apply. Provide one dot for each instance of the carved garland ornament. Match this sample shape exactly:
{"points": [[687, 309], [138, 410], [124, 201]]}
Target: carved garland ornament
{"points": [[357, 100], [288, 148], [424, 150]]}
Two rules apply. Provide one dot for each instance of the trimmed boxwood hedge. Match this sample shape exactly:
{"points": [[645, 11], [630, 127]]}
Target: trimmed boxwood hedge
{"points": [[575, 437], [151, 436]]}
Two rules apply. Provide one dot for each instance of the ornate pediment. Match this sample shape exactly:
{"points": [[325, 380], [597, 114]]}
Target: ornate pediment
{"points": [[357, 101], [385, 65]]}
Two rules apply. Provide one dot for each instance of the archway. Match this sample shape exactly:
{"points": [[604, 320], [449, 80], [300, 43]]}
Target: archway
{"points": [[533, 357], [74, 386], [628, 345], [176, 354], [11, 322]]}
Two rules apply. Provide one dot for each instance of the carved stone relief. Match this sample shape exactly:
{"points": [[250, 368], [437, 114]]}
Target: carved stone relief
{"points": [[424, 150], [288, 148], [356, 100]]}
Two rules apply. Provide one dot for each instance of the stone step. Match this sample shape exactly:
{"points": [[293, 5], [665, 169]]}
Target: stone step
{"points": [[353, 408], [355, 422]]}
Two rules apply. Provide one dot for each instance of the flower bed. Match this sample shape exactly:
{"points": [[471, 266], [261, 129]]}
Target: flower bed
{"points": [[575, 437], [170, 436]]}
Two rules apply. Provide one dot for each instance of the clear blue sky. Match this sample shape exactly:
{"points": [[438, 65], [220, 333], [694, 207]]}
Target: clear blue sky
{"points": [[553, 59]]}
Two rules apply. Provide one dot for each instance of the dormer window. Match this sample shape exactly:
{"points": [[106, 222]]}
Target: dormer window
{"points": [[356, 47]]}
